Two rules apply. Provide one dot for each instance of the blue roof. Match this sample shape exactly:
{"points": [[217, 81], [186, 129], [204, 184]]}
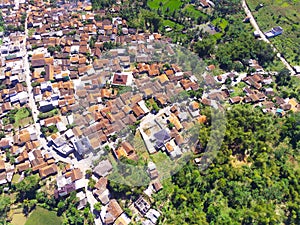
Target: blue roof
{"points": [[279, 110], [161, 137]]}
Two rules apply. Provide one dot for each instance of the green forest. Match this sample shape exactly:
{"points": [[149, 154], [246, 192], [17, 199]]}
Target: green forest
{"points": [[252, 180]]}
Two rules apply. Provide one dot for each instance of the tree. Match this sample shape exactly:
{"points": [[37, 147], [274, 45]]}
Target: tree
{"points": [[171, 126], [205, 47], [283, 77], [61, 207], [27, 187], [152, 19], [4, 206], [291, 130], [266, 178], [51, 49], [98, 206], [2, 135], [88, 173], [91, 184]]}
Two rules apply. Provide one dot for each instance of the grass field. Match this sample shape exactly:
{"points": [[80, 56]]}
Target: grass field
{"points": [[282, 13], [140, 146], [194, 13], [171, 4], [173, 25], [42, 216], [22, 117]]}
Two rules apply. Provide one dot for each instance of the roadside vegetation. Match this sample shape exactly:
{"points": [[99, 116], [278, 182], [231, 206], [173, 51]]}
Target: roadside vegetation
{"points": [[285, 14]]}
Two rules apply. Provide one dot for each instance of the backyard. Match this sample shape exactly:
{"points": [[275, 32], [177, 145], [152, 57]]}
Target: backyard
{"points": [[22, 117], [285, 14], [18, 117]]}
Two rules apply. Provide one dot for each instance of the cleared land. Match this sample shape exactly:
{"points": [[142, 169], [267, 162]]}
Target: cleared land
{"points": [[42, 216], [18, 219], [285, 14]]}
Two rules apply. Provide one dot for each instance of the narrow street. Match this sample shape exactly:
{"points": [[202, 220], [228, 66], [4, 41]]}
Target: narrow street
{"points": [[83, 164], [263, 37], [31, 101]]}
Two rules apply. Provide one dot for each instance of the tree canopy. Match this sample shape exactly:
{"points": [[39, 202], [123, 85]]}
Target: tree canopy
{"points": [[252, 179]]}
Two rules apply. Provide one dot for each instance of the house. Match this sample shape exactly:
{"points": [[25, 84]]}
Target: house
{"points": [[75, 174], [235, 100], [175, 121], [124, 150], [48, 171], [2, 165], [83, 146], [275, 31], [103, 168], [157, 186], [153, 215], [3, 179], [123, 220], [65, 190], [138, 112], [100, 186], [142, 205], [204, 3], [23, 166], [5, 143], [160, 138], [6, 107], [210, 67], [152, 171], [113, 211], [194, 109]]}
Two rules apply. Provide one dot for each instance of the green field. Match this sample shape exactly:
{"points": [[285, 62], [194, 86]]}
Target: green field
{"points": [[22, 117], [282, 13], [173, 25], [171, 4], [194, 13], [42, 216], [221, 23]]}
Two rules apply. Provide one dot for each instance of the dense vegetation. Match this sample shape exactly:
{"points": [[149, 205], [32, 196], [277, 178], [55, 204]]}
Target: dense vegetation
{"points": [[252, 180]]}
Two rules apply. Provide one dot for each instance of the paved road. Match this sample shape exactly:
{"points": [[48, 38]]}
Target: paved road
{"points": [[263, 37]]}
